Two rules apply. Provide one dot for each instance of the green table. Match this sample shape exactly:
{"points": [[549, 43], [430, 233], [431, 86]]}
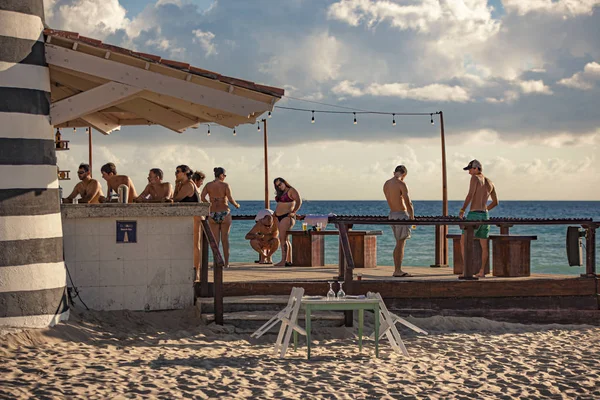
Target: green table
{"points": [[361, 305]]}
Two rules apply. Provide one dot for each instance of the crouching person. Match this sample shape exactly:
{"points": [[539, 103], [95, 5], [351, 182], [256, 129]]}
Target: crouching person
{"points": [[263, 236]]}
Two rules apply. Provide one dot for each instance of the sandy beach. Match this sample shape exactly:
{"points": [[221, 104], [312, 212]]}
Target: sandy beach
{"points": [[172, 355]]}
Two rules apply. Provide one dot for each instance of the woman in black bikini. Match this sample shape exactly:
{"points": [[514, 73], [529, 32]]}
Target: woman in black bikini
{"points": [[288, 203], [185, 189]]}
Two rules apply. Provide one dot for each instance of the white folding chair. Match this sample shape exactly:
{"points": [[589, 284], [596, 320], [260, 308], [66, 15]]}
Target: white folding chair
{"points": [[388, 325], [278, 317], [289, 323]]}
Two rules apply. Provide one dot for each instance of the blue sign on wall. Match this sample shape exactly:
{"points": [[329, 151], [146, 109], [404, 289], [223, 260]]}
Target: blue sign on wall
{"points": [[126, 231]]}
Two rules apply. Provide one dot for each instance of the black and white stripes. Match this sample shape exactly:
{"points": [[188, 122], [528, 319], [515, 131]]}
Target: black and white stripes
{"points": [[32, 271]]}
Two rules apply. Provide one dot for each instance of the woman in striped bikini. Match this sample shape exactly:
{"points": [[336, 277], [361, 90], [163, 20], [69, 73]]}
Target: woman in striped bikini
{"points": [[219, 216]]}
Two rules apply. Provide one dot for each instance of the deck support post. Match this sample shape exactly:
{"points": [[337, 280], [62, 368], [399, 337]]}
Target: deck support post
{"points": [[348, 271], [217, 273], [468, 253]]}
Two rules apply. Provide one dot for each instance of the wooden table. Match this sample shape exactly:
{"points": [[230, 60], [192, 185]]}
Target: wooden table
{"points": [[323, 304], [511, 255], [308, 248]]}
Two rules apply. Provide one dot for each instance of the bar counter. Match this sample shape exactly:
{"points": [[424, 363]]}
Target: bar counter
{"points": [[135, 256]]}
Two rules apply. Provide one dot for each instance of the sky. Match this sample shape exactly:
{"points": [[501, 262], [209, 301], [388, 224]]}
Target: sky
{"points": [[518, 83]]}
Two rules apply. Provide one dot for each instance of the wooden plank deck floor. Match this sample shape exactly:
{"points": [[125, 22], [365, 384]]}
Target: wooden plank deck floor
{"points": [[243, 272]]}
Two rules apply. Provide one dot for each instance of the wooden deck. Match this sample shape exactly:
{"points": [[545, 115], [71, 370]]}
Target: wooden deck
{"points": [[428, 288]]}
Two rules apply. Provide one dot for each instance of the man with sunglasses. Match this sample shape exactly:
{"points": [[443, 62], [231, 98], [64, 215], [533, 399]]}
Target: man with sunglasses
{"points": [[89, 189]]}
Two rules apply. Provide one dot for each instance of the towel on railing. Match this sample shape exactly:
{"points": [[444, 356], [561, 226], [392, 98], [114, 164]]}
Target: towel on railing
{"points": [[313, 219]]}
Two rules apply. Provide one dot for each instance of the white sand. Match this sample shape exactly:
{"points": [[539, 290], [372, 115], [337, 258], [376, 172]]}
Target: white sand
{"points": [[171, 355]]}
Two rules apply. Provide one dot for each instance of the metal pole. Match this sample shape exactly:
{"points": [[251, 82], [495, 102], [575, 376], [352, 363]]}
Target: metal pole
{"points": [[441, 231], [90, 149], [266, 165]]}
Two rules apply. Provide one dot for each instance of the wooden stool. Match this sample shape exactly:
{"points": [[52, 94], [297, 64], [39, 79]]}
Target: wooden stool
{"points": [[512, 255]]}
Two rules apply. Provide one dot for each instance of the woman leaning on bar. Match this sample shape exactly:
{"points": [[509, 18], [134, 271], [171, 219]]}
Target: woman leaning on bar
{"points": [[288, 203], [185, 189], [198, 179], [219, 217]]}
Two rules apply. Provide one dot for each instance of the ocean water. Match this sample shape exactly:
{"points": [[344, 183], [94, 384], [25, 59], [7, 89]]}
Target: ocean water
{"points": [[548, 253]]}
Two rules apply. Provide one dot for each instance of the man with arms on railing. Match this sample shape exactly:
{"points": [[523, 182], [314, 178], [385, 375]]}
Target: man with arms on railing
{"points": [[263, 236], [89, 189], [480, 190], [156, 190], [109, 173], [401, 208]]}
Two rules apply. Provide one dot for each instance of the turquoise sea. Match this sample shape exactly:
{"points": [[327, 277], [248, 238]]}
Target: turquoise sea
{"points": [[548, 253]]}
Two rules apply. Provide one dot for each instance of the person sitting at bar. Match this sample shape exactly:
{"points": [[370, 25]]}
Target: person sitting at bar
{"points": [[198, 179], [156, 190], [89, 189], [263, 236], [185, 189], [109, 173]]}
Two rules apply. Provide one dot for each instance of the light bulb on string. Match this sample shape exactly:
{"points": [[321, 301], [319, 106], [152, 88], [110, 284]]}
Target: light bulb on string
{"points": [[74, 130], [208, 133], [269, 114], [312, 121], [258, 126], [431, 115], [234, 132], [355, 119], [393, 119]]}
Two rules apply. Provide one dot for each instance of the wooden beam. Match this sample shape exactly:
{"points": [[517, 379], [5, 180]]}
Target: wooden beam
{"points": [[101, 122], [206, 114], [157, 114], [141, 78], [91, 101], [63, 78]]}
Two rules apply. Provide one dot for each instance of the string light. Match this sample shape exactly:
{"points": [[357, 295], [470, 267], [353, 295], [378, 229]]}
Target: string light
{"points": [[431, 115], [269, 114], [355, 119], [234, 133], [393, 119], [74, 130], [208, 133], [312, 121], [258, 126]]}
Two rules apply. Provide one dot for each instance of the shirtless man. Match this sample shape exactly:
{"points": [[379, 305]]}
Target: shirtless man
{"points": [[480, 190], [401, 208], [263, 236], [109, 173], [156, 190], [89, 189]]}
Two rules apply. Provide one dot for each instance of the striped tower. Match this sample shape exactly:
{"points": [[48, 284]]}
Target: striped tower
{"points": [[32, 271]]}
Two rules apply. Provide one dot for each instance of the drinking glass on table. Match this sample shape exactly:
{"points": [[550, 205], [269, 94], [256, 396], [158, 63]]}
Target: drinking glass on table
{"points": [[341, 294], [304, 226], [331, 293]]}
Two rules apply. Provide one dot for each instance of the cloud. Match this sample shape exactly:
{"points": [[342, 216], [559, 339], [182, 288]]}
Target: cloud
{"points": [[434, 92], [95, 18], [557, 7], [316, 58], [584, 80], [206, 41], [528, 87]]}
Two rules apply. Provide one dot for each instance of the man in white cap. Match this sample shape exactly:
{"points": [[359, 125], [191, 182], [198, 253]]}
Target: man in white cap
{"points": [[263, 236], [480, 190]]}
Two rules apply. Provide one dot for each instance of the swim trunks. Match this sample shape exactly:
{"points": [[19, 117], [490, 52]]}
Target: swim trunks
{"points": [[401, 232], [482, 231]]}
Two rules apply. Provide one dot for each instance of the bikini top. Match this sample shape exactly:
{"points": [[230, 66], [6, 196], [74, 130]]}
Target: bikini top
{"points": [[284, 198]]}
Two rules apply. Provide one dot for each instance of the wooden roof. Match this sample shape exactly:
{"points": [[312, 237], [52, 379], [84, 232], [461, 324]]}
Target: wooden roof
{"points": [[107, 87]]}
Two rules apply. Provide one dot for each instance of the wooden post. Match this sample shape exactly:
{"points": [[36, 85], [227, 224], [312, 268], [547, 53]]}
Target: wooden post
{"points": [[90, 149], [204, 269], [441, 231], [590, 251], [217, 273], [349, 261], [267, 205], [468, 258]]}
